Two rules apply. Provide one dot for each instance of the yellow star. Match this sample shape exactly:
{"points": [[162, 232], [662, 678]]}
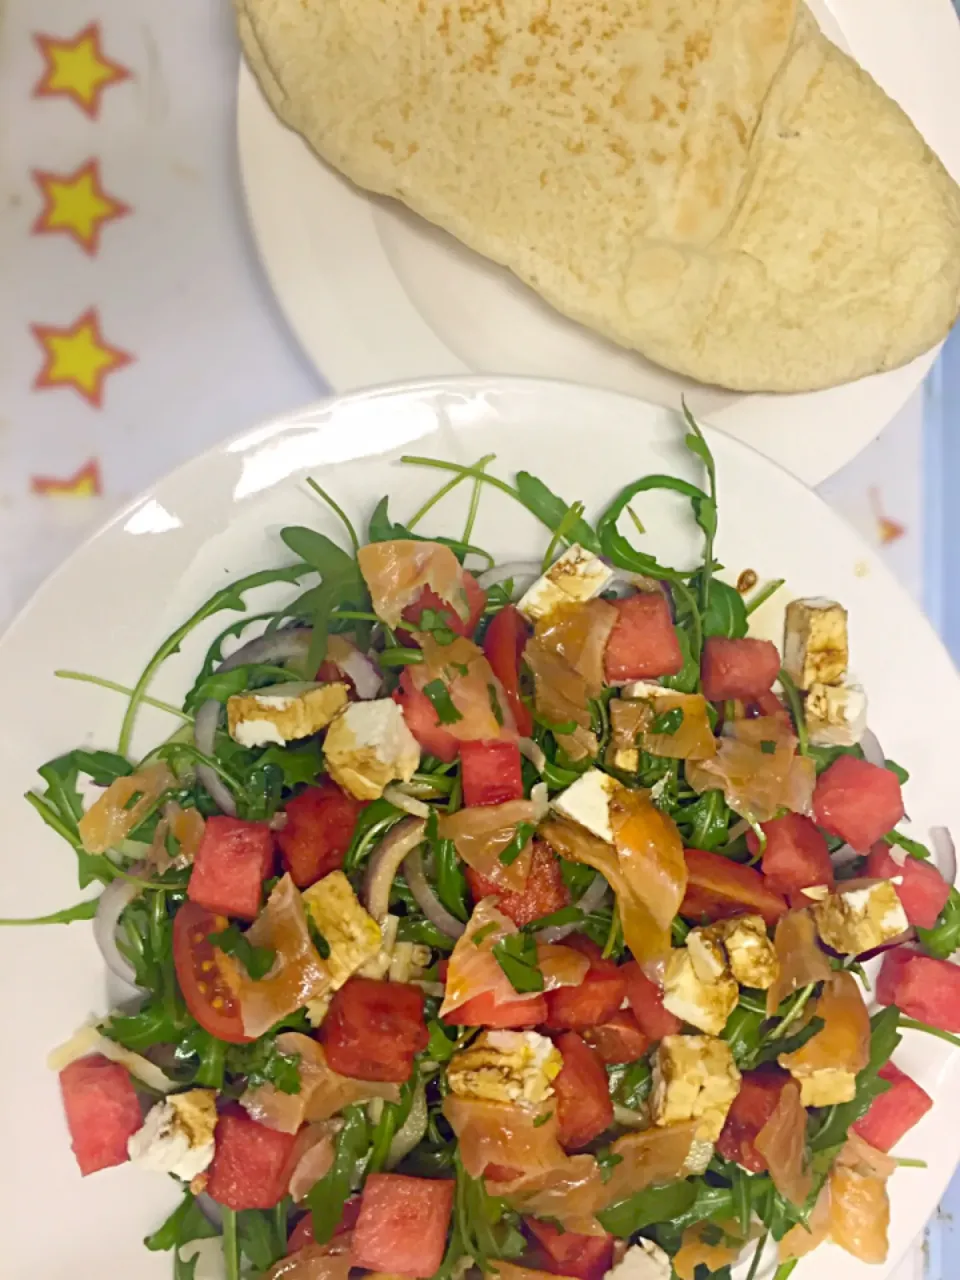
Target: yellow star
{"points": [[77, 69], [76, 204], [78, 357]]}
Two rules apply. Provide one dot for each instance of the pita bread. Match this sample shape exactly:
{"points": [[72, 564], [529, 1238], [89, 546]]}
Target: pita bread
{"points": [[709, 182]]}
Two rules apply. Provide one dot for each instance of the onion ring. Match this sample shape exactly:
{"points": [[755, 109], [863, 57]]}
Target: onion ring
{"points": [[421, 889], [385, 863], [527, 571], [411, 1131], [945, 853], [400, 799], [115, 898]]}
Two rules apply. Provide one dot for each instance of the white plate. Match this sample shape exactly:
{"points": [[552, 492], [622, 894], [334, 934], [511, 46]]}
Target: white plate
{"points": [[374, 293], [217, 518]]}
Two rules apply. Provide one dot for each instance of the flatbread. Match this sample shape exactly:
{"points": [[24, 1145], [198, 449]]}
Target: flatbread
{"points": [[709, 182]]}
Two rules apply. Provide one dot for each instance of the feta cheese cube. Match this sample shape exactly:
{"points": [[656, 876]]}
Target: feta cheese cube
{"points": [[706, 1005], [578, 575], [369, 746], [642, 1261], [707, 955], [587, 801], [410, 960], [352, 933], [694, 1078], [826, 1087], [506, 1066], [177, 1134], [836, 715], [815, 642], [283, 712], [858, 919], [750, 953]]}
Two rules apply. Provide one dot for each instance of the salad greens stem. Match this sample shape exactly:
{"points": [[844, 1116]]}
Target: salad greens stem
{"points": [[705, 512], [444, 490], [904, 1163], [82, 911], [338, 510], [231, 1252], [796, 710], [758, 1254], [911, 1024], [475, 500], [786, 1269], [764, 594], [462, 472], [101, 683], [573, 514]]}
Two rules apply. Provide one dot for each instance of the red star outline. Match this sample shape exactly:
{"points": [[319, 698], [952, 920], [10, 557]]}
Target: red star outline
{"points": [[45, 44], [43, 178], [91, 317]]}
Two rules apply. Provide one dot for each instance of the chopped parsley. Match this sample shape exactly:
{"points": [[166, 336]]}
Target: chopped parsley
{"points": [[439, 695], [516, 955], [668, 722], [519, 842], [258, 961]]}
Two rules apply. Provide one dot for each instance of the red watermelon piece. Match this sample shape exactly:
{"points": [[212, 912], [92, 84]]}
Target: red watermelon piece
{"points": [[597, 998], [895, 1112], [922, 890], [921, 987], [319, 828], [373, 1029], [584, 1108], [402, 1227], [250, 1167], [491, 772], [743, 669], [646, 1000], [567, 1253], [102, 1109], [857, 801], [619, 1039], [544, 892], [423, 721], [796, 855], [643, 643], [234, 859]]}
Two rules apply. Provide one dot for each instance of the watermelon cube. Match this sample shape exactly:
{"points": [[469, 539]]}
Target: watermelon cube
{"points": [[584, 1108], [103, 1111], [544, 892], [645, 998], [374, 1029], [422, 720], [857, 801], [619, 1039], [597, 998], [744, 669], [796, 855], [922, 890], [643, 643], [491, 772], [921, 987], [402, 1227], [484, 1011], [251, 1164], [895, 1112], [233, 860], [318, 831], [752, 1107], [568, 1253]]}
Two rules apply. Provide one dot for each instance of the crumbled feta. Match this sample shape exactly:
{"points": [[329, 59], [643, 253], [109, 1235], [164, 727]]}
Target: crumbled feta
{"points": [[577, 575], [410, 960], [352, 934], [642, 1261], [855, 920], [750, 953], [826, 1087], [694, 1078], [836, 715], [370, 746], [506, 1066], [707, 955], [587, 801], [379, 965], [706, 1005], [177, 1134], [815, 642], [283, 712]]}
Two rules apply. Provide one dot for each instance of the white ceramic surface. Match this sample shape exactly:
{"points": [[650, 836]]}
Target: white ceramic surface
{"points": [[218, 518], [374, 293]]}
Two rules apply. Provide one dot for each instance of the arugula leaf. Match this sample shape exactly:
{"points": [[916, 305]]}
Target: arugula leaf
{"points": [[440, 1047], [630, 1083], [296, 765], [607, 1161], [258, 961], [795, 706], [261, 1236], [824, 757], [450, 882], [374, 822], [321, 945], [726, 615], [82, 911], [443, 704], [553, 511], [897, 770], [913, 847], [615, 546], [381, 528], [519, 842], [187, 1222], [326, 1198], [884, 1038], [341, 584], [565, 915], [484, 1228], [656, 1204], [668, 722], [229, 597], [516, 954], [689, 633], [944, 938]]}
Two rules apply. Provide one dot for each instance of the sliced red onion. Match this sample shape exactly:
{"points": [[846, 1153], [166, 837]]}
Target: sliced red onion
{"points": [[540, 799], [401, 799], [115, 897], [422, 890], [411, 1131], [523, 573], [908, 935], [591, 900], [872, 750], [365, 674], [843, 856], [210, 1209], [533, 753], [385, 863], [944, 853], [274, 648]]}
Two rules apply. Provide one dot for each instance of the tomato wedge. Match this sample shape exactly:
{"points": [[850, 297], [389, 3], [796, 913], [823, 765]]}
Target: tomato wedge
{"points": [[718, 888], [503, 645], [208, 996]]}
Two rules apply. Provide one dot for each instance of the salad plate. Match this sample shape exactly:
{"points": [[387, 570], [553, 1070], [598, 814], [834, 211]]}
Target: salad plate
{"points": [[219, 519]]}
